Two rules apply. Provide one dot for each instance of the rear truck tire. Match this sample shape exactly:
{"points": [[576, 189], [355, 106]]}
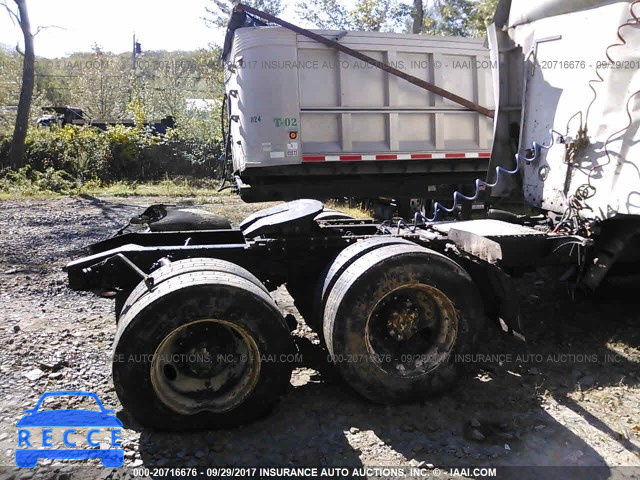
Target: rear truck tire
{"points": [[180, 267], [204, 350], [338, 265], [396, 319], [353, 252]]}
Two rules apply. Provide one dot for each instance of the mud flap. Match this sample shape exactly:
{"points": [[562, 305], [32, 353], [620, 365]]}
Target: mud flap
{"points": [[500, 298]]}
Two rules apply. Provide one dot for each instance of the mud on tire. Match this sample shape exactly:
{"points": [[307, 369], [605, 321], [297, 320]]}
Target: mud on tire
{"points": [[203, 350], [180, 267], [337, 266], [396, 319]]}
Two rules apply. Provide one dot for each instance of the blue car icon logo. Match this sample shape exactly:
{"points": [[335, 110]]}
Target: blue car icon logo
{"points": [[69, 420]]}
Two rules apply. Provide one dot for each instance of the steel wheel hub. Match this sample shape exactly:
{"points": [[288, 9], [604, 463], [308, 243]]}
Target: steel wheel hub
{"points": [[205, 365], [411, 330]]}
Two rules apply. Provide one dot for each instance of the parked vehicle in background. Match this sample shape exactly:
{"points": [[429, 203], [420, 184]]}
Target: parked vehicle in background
{"points": [[76, 116]]}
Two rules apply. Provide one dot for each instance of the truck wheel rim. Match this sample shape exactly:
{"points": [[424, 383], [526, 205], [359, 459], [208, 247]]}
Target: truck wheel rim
{"points": [[205, 365], [411, 330]]}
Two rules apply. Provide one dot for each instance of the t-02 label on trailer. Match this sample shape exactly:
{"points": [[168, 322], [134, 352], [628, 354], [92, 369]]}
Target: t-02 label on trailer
{"points": [[285, 122]]}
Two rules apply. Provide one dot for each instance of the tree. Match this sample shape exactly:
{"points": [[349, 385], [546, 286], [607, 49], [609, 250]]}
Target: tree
{"points": [[28, 81], [417, 16], [10, 77], [448, 17], [378, 15], [102, 83], [367, 15], [482, 17], [219, 13], [10, 80], [463, 18], [326, 14]]}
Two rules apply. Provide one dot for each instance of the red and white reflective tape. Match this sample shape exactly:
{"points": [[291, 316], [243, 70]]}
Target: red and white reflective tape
{"points": [[399, 156]]}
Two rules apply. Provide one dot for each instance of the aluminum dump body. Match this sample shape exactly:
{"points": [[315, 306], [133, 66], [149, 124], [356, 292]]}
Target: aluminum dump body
{"points": [[296, 102]]}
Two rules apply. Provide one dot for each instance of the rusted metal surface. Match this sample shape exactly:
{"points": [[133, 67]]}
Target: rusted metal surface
{"points": [[410, 319]]}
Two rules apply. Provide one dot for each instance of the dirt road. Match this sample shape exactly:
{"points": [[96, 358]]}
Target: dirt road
{"points": [[570, 396]]}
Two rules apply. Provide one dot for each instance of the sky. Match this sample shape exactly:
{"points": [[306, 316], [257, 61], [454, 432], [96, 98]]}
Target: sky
{"points": [[158, 24]]}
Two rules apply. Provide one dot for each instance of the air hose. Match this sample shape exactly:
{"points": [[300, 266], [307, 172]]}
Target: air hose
{"points": [[459, 196]]}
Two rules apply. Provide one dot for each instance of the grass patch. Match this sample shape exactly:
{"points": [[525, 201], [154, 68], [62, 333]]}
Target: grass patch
{"points": [[32, 195], [165, 188], [357, 212], [28, 183]]}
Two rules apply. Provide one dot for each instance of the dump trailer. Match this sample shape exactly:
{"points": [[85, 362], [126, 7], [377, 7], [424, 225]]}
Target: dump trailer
{"points": [[308, 119], [200, 342]]}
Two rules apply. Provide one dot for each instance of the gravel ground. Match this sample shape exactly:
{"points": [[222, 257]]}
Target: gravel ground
{"points": [[570, 396]]}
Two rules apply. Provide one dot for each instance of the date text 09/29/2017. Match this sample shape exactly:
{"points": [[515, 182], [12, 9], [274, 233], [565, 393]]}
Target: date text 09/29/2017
{"points": [[314, 472]]}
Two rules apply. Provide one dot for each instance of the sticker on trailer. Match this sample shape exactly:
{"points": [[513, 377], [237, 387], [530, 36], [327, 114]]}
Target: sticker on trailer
{"points": [[266, 147], [292, 149], [276, 155]]}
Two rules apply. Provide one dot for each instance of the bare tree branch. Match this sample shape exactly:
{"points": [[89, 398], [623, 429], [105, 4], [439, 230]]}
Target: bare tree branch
{"points": [[14, 17], [46, 27]]}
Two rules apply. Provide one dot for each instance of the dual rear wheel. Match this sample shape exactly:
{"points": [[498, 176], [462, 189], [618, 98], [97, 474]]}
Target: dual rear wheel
{"points": [[397, 318], [205, 348]]}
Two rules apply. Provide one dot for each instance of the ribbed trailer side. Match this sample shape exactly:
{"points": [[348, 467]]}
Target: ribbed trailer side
{"points": [[309, 119]]}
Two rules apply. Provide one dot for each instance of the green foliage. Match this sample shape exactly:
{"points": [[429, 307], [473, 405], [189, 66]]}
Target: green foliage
{"points": [[10, 80], [327, 14], [464, 18], [125, 146], [441, 17], [377, 15], [366, 15], [5, 145], [105, 86], [88, 154], [98, 82], [80, 151], [29, 182], [219, 12], [448, 17], [136, 108], [482, 17]]}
